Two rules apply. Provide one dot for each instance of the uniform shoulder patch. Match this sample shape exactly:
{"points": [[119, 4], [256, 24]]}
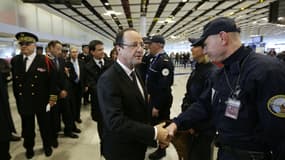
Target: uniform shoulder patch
{"points": [[165, 72], [276, 106]]}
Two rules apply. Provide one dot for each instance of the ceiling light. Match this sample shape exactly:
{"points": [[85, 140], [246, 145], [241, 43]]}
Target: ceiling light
{"points": [[109, 13], [184, 1], [106, 4]]}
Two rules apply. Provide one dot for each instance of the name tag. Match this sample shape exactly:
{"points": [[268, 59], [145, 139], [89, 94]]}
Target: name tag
{"points": [[233, 107]]}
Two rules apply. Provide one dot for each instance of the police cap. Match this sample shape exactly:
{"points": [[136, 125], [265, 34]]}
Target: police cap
{"points": [[157, 39], [216, 26], [26, 37], [193, 42]]}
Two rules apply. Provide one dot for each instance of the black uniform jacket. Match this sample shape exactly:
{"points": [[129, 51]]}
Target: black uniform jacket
{"points": [[126, 115], [261, 119], [32, 89], [5, 126]]}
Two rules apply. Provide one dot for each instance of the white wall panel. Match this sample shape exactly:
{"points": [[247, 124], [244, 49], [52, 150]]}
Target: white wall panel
{"points": [[27, 14], [44, 21]]}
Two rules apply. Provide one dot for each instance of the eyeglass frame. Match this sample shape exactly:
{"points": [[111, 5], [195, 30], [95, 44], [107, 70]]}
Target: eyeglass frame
{"points": [[134, 45]]}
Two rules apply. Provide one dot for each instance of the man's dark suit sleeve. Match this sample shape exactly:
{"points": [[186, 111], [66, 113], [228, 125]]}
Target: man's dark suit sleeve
{"points": [[111, 106]]}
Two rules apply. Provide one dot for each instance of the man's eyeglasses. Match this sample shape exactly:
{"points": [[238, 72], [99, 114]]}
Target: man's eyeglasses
{"points": [[133, 45], [25, 43]]}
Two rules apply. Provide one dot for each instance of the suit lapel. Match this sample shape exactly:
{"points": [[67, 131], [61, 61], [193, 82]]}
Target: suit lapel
{"points": [[130, 84]]}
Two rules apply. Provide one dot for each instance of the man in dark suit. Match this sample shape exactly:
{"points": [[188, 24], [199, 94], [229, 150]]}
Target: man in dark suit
{"points": [[77, 84], [6, 127], [94, 68], [123, 104], [62, 86], [85, 57], [32, 82]]}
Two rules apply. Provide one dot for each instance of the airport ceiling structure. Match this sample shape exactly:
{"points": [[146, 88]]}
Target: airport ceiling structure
{"points": [[174, 19]]}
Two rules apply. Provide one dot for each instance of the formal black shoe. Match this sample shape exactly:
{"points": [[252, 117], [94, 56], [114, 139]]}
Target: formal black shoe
{"points": [[79, 120], [71, 135], [76, 130], [48, 151], [15, 138], [30, 153], [55, 144], [158, 154]]}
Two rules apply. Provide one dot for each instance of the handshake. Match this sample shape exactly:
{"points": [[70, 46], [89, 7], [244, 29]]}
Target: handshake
{"points": [[165, 135]]}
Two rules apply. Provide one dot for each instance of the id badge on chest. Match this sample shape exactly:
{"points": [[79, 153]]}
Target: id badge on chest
{"points": [[233, 107]]}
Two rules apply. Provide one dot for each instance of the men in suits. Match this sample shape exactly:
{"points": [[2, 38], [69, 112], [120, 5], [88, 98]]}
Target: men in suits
{"points": [[123, 104], [94, 68], [85, 56], [33, 89], [6, 127]]}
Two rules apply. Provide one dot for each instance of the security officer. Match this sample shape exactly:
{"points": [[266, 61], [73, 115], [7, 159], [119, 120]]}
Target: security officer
{"points": [[146, 60], [5, 118], [159, 81], [33, 79], [244, 98], [200, 137]]}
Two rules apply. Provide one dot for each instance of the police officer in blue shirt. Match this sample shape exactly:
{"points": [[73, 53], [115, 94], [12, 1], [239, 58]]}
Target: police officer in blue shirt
{"points": [[159, 80], [244, 99]]}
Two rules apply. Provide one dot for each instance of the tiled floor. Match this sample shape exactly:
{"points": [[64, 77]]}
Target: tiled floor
{"points": [[87, 146]]}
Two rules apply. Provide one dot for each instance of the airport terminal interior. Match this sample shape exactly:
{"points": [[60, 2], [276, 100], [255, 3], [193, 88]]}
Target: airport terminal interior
{"points": [[77, 22]]}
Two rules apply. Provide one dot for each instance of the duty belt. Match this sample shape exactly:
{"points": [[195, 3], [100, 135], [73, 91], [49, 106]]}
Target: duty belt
{"points": [[245, 154]]}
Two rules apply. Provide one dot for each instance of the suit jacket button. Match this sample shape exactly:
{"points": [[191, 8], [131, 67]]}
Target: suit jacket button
{"points": [[32, 85], [16, 77], [20, 93], [20, 85], [33, 93], [36, 76]]}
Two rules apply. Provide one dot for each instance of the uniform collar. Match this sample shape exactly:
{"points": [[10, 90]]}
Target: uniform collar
{"points": [[233, 62], [237, 56]]}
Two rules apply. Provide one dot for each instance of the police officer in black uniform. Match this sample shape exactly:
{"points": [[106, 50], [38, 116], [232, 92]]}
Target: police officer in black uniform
{"points": [[159, 80], [244, 99], [146, 60], [5, 125], [33, 87], [200, 136]]}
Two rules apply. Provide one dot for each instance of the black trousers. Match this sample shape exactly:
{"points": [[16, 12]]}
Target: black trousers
{"points": [[200, 147], [76, 96], [164, 112], [4, 150], [28, 132]]}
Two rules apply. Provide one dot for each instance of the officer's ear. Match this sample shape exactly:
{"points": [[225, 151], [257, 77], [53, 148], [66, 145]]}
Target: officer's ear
{"points": [[224, 37]]}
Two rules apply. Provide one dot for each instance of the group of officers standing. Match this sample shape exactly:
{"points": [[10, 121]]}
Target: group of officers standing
{"points": [[240, 102]]}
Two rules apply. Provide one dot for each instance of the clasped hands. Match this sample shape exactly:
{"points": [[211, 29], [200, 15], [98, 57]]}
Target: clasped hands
{"points": [[165, 135]]}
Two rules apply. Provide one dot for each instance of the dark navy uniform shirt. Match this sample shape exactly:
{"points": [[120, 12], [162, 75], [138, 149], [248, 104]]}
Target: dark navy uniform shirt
{"points": [[160, 78], [260, 125]]}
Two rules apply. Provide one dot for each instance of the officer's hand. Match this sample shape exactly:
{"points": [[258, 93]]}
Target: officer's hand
{"points": [[52, 103], [192, 131], [63, 94], [155, 112], [162, 135], [172, 128]]}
